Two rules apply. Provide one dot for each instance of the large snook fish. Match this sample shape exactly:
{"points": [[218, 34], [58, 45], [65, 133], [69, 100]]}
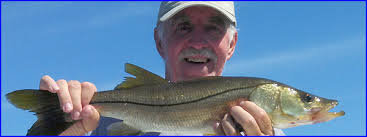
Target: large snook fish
{"points": [[149, 103]]}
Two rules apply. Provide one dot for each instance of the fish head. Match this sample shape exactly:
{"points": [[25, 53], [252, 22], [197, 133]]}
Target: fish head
{"points": [[297, 108]]}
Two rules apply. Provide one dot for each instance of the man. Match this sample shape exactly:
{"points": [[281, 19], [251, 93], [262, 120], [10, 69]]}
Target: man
{"points": [[195, 39]]}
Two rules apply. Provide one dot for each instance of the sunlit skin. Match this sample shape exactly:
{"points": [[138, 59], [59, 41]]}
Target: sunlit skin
{"points": [[193, 28], [198, 28]]}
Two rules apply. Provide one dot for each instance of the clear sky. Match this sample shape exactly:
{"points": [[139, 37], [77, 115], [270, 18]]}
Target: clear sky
{"points": [[317, 47]]}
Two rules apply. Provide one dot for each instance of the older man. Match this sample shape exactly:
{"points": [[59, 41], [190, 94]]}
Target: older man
{"points": [[195, 39]]}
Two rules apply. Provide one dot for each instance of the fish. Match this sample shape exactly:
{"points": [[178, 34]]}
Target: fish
{"points": [[150, 103]]}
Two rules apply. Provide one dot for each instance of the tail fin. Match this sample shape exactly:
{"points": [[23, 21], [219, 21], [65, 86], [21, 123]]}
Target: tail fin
{"points": [[51, 119]]}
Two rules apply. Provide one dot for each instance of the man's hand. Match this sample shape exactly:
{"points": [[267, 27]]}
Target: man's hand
{"points": [[251, 118], [74, 98]]}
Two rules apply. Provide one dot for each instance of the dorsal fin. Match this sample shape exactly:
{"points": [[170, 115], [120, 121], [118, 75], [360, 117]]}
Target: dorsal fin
{"points": [[142, 77]]}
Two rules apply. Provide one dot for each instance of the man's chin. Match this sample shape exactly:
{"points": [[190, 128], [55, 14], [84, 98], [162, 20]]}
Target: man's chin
{"points": [[189, 71]]}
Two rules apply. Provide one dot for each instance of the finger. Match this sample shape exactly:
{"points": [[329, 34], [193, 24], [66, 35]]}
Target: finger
{"points": [[47, 83], [75, 94], [247, 121], [64, 96], [228, 126], [90, 118], [218, 129], [88, 90], [261, 117], [84, 126]]}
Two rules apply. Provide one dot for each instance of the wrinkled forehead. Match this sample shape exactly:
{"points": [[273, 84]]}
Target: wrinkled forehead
{"points": [[210, 15]]}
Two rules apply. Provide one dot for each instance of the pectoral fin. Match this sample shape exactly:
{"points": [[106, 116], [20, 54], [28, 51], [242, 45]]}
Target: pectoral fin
{"points": [[121, 129]]}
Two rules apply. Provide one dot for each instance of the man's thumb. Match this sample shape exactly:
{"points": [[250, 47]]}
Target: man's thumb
{"points": [[89, 122]]}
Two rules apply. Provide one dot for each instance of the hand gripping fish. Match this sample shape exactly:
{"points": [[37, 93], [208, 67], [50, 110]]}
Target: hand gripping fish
{"points": [[149, 103]]}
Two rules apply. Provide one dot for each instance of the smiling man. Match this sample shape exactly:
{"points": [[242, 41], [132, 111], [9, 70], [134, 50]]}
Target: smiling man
{"points": [[195, 39]]}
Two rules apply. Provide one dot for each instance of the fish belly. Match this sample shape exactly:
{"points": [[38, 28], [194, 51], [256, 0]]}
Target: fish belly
{"points": [[183, 118]]}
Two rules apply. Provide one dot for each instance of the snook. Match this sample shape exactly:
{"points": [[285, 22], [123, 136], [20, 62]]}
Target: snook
{"points": [[149, 103]]}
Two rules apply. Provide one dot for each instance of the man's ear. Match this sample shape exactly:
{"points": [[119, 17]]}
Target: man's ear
{"points": [[232, 45], [158, 43]]}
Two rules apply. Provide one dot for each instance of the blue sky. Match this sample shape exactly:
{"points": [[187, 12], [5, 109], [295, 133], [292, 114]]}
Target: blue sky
{"points": [[317, 47]]}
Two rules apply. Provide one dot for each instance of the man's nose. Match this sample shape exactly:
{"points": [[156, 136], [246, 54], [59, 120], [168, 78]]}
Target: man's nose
{"points": [[198, 39]]}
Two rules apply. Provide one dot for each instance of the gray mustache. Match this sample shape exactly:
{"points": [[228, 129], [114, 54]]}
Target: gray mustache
{"points": [[205, 52]]}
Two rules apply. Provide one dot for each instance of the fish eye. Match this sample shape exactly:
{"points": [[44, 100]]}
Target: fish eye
{"points": [[308, 98]]}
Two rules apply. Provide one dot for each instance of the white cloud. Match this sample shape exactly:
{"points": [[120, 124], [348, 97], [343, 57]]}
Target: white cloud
{"points": [[316, 52]]}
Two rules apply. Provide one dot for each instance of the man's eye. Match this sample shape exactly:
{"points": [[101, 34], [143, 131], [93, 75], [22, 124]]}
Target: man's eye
{"points": [[184, 28], [214, 29]]}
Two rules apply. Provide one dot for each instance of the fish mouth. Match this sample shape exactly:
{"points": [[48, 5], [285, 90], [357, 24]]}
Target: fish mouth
{"points": [[323, 115]]}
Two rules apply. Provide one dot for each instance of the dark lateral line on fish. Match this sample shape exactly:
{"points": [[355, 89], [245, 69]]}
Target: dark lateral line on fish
{"points": [[165, 105]]}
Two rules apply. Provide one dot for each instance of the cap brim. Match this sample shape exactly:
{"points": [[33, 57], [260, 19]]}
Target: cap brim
{"points": [[182, 6]]}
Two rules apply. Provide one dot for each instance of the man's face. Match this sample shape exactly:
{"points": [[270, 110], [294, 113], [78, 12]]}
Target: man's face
{"points": [[195, 44]]}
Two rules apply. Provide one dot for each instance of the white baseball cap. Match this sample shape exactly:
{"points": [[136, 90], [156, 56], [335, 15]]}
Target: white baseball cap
{"points": [[170, 8]]}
